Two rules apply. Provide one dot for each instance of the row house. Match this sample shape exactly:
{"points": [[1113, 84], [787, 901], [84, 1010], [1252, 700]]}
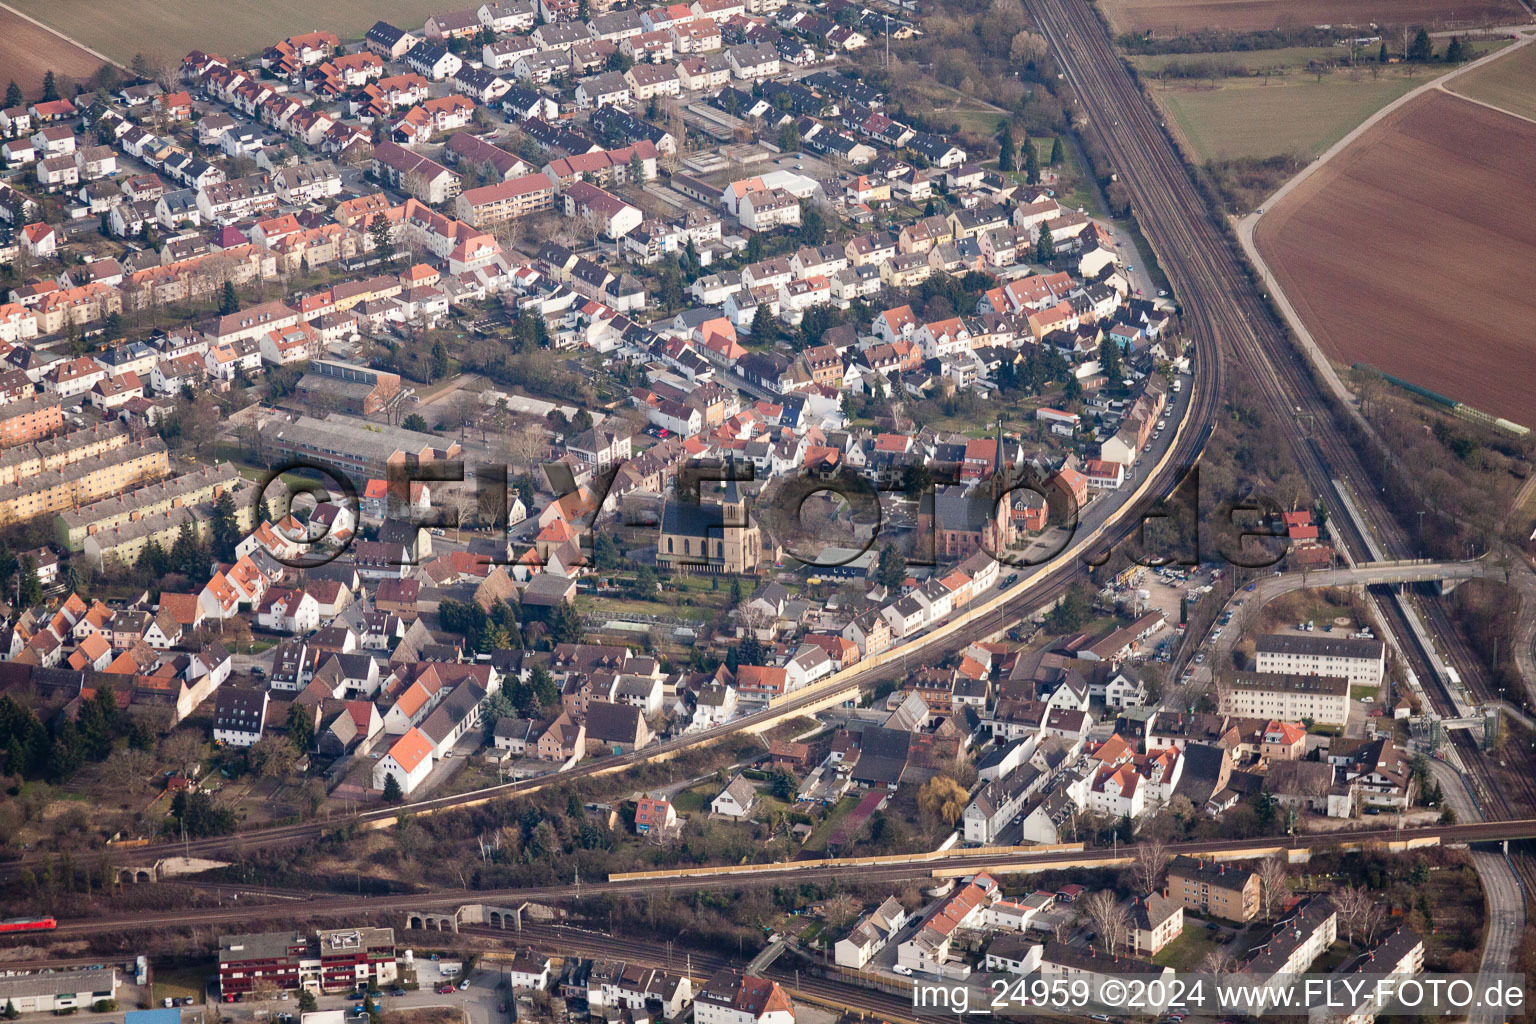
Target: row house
{"points": [[657, 46], [341, 74], [424, 179], [509, 16], [432, 117], [390, 94], [231, 201], [504, 53]]}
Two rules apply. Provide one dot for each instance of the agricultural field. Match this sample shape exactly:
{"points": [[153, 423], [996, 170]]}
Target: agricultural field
{"points": [[169, 30], [1292, 114], [28, 52], [1504, 83], [1414, 250], [1275, 105], [1287, 58], [1172, 17]]}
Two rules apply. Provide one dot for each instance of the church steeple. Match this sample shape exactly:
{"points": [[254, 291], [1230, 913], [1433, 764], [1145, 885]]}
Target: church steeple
{"points": [[997, 454]]}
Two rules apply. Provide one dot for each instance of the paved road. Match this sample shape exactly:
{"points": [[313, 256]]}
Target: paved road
{"points": [[1505, 900], [1523, 578], [1269, 588]]}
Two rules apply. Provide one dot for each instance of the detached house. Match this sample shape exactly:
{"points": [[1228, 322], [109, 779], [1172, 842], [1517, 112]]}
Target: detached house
{"points": [[731, 998], [239, 716], [737, 800], [409, 760]]}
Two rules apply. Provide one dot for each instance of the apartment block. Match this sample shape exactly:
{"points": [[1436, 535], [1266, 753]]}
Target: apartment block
{"points": [[1219, 890], [72, 527], [1292, 698], [1360, 661], [84, 482], [30, 419]]}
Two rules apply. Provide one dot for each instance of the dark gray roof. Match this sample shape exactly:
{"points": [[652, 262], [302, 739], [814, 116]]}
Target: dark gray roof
{"points": [[238, 708], [1309, 644], [1210, 872], [619, 723], [882, 756], [1290, 932]]}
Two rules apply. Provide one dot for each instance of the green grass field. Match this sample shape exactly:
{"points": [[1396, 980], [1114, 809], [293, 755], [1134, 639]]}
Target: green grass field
{"points": [[840, 811], [1362, 692], [1246, 118], [696, 800], [170, 28], [1505, 83], [1290, 112], [1248, 60], [1185, 952], [182, 982]]}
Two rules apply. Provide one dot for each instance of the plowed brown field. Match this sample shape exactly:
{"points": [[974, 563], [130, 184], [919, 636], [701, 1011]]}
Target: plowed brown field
{"points": [[1414, 250], [28, 52]]}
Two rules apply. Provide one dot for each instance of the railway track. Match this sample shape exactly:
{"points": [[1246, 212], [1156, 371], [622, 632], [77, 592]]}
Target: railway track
{"points": [[1204, 401], [554, 939], [1211, 278], [329, 906]]}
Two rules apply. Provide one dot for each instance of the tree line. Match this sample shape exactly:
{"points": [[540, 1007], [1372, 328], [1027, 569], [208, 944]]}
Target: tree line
{"points": [[33, 750]]}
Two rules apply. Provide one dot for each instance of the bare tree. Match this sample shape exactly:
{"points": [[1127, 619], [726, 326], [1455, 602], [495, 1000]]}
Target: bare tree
{"points": [[126, 770], [1062, 930], [1352, 902], [1273, 878], [183, 749], [754, 620], [1109, 918], [1371, 919], [523, 447], [1151, 857], [509, 232], [1218, 961]]}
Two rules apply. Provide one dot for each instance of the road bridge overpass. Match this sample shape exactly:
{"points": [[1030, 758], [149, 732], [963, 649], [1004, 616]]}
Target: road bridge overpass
{"points": [[1402, 572]]}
